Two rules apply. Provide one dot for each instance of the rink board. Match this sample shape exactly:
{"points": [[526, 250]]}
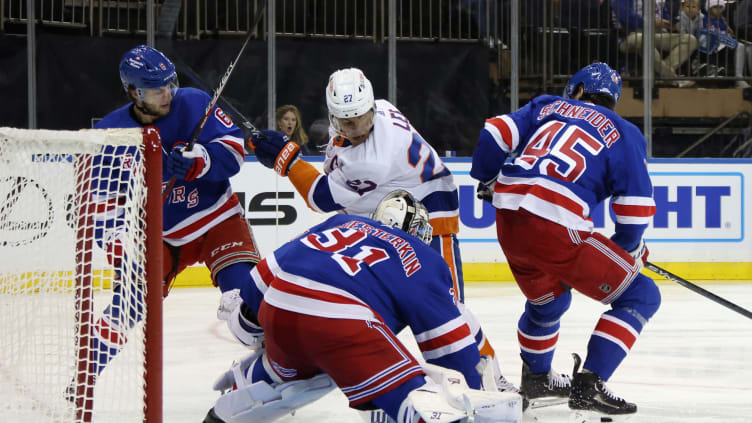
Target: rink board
{"points": [[699, 230]]}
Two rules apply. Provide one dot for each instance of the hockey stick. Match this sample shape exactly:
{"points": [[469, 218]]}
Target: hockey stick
{"points": [[215, 97], [692, 287], [226, 103]]}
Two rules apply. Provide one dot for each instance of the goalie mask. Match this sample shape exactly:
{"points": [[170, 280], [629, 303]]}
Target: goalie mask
{"points": [[401, 210], [149, 71], [349, 96]]}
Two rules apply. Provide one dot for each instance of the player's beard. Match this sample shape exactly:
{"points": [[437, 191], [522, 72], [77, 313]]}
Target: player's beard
{"points": [[150, 110]]}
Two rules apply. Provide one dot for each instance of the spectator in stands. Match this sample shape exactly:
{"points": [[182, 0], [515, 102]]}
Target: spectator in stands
{"points": [[713, 46], [628, 15], [716, 22], [289, 123]]}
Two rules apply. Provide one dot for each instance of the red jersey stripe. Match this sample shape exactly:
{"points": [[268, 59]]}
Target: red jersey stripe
{"points": [[636, 211], [506, 133], [544, 194], [445, 339], [182, 233]]}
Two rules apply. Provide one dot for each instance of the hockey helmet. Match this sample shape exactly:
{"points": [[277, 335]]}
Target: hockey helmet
{"points": [[146, 68], [595, 78], [348, 94], [401, 210]]}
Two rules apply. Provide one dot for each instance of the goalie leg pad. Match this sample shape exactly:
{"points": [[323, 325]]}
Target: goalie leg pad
{"points": [[260, 402]]}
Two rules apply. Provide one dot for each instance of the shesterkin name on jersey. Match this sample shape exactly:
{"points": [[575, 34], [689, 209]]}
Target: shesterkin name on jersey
{"points": [[410, 262], [596, 119]]}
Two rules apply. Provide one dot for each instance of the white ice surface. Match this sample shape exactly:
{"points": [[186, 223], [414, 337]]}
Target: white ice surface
{"points": [[692, 363]]}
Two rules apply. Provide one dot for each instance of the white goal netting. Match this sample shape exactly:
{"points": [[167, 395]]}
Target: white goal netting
{"points": [[72, 233]]}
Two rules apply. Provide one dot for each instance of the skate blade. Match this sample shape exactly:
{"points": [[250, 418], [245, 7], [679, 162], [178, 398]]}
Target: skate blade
{"points": [[584, 416], [547, 402]]}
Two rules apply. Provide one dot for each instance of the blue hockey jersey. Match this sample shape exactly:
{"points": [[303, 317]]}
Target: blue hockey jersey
{"points": [[351, 267], [567, 156], [193, 206]]}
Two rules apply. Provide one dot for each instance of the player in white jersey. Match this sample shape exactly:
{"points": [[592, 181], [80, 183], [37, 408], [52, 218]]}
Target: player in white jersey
{"points": [[374, 150]]}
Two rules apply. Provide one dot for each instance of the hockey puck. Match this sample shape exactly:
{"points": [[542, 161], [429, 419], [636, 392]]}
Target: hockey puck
{"points": [[606, 419]]}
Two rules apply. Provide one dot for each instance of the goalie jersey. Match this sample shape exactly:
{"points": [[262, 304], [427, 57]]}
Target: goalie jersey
{"points": [[394, 156], [192, 206], [351, 267], [566, 157]]}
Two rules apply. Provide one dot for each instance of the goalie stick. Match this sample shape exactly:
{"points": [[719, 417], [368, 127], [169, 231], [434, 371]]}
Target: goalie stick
{"points": [[692, 287], [215, 97]]}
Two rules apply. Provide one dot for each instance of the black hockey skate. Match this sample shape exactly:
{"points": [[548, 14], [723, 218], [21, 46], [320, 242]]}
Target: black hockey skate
{"points": [[543, 389], [590, 393], [211, 417]]}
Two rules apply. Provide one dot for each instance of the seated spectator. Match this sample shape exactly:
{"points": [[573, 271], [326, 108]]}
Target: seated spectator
{"points": [[715, 22], [716, 36], [289, 123], [628, 15]]}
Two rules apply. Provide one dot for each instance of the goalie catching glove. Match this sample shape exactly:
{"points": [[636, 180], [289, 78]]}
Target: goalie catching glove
{"points": [[188, 165], [275, 151]]}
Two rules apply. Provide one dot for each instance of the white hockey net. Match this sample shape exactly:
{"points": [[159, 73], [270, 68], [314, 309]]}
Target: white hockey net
{"points": [[72, 232]]}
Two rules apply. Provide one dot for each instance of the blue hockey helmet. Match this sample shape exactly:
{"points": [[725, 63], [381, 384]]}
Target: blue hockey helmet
{"points": [[144, 67], [596, 78]]}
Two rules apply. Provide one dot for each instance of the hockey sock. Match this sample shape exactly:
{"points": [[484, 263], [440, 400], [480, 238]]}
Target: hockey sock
{"points": [[391, 401], [234, 276], [613, 337], [108, 335], [258, 372], [538, 332], [618, 329]]}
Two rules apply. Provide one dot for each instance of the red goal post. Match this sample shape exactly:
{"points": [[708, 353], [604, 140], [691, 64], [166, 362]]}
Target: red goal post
{"points": [[80, 218]]}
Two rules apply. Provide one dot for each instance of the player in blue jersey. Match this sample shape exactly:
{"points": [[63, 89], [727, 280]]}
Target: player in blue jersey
{"points": [[330, 303], [202, 218], [566, 155]]}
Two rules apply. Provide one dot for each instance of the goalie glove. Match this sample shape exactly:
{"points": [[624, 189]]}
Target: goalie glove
{"points": [[188, 165], [275, 151], [241, 325], [228, 303], [640, 254]]}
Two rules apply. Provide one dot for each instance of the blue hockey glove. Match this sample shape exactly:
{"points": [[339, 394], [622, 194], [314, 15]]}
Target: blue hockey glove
{"points": [[188, 165], [275, 151]]}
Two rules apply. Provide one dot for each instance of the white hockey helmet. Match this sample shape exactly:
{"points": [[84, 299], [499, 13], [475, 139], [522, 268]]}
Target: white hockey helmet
{"points": [[401, 210], [348, 94]]}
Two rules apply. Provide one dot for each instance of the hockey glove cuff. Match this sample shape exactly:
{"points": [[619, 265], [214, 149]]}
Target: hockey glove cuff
{"points": [[640, 254], [275, 151], [188, 165]]}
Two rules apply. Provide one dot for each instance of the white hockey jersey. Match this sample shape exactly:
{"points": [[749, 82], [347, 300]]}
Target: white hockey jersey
{"points": [[394, 156]]}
